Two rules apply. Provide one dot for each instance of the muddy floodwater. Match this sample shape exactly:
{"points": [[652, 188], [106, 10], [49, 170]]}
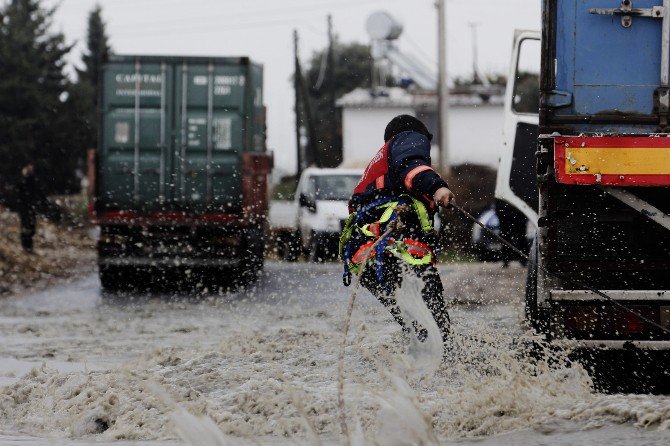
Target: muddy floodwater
{"points": [[259, 366]]}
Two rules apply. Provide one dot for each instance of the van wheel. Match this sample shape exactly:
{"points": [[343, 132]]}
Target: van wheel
{"points": [[316, 252], [291, 248]]}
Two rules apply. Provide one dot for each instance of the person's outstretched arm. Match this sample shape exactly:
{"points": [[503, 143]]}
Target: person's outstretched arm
{"points": [[410, 162]]}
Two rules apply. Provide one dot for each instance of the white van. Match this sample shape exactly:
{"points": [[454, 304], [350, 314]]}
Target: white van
{"points": [[322, 201]]}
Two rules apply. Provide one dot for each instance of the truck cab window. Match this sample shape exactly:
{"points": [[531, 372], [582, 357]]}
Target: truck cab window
{"points": [[527, 78]]}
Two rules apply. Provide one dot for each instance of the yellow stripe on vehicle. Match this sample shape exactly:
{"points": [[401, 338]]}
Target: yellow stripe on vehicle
{"points": [[607, 160]]}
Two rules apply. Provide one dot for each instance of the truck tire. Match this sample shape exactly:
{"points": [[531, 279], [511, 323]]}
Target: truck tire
{"points": [[114, 278], [253, 257]]}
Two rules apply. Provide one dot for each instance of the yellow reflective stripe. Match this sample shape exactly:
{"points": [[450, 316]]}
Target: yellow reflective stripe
{"points": [[417, 262], [407, 257], [346, 233], [386, 216], [366, 231], [422, 213]]}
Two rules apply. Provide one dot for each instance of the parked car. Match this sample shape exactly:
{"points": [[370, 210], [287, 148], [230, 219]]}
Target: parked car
{"points": [[487, 248], [322, 208], [515, 228]]}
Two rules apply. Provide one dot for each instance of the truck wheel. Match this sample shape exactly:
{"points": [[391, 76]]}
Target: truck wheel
{"points": [[253, 257], [114, 278]]}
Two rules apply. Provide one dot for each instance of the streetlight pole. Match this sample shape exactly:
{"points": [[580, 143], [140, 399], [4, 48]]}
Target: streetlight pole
{"points": [[442, 88]]}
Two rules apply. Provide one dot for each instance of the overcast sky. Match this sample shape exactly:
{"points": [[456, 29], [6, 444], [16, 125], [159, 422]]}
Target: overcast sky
{"points": [[262, 30]]}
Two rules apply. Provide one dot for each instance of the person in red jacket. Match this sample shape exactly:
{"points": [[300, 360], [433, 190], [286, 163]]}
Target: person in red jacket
{"points": [[399, 176]]}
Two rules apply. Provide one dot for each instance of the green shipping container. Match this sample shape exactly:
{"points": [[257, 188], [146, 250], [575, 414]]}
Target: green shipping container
{"points": [[174, 132]]}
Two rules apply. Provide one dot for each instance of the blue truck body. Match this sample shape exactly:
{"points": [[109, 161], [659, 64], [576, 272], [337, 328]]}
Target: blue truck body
{"points": [[601, 187], [602, 69]]}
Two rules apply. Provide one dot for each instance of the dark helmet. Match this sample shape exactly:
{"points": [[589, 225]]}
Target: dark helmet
{"points": [[404, 123]]}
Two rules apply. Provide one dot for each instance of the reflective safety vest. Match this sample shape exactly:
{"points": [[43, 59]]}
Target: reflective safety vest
{"points": [[412, 251]]}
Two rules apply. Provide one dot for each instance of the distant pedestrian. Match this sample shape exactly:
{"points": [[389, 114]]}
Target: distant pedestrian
{"points": [[27, 195]]}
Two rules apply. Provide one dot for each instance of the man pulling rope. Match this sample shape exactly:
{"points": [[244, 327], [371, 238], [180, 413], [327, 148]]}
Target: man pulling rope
{"points": [[398, 177]]}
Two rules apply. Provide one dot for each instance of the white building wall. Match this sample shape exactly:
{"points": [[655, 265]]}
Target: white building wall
{"points": [[363, 132], [475, 134]]}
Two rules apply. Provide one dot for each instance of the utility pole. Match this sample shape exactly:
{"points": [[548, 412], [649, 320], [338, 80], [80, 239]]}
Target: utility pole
{"points": [[332, 159], [307, 157], [311, 155], [442, 88], [296, 87], [475, 65]]}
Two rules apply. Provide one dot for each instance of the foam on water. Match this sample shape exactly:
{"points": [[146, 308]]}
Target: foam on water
{"points": [[274, 371]]}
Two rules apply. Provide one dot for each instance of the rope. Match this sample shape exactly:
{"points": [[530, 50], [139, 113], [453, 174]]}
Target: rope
{"points": [[563, 277], [392, 226]]}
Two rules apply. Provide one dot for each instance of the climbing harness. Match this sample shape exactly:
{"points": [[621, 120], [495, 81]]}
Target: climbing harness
{"points": [[560, 276], [374, 244]]}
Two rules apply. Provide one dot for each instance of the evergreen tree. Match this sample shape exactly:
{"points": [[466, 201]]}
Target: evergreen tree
{"points": [[85, 93], [97, 45], [352, 69], [34, 111]]}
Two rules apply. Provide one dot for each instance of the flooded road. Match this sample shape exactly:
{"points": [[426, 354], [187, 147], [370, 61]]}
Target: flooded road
{"points": [[260, 366]]}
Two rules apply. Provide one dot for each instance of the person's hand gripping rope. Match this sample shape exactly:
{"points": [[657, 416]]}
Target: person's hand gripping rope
{"points": [[443, 197]]}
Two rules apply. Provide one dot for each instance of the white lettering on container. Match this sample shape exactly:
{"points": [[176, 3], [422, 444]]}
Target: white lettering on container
{"points": [[150, 85], [121, 132], [222, 90], [222, 133]]}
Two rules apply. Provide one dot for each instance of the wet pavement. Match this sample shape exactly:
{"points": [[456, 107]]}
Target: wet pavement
{"points": [[79, 366]]}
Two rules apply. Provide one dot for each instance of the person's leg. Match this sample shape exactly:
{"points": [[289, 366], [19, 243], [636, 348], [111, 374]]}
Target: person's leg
{"points": [[27, 231], [386, 295], [433, 296]]}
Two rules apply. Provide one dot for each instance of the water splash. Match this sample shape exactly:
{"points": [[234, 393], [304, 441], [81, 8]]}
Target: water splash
{"points": [[425, 356]]}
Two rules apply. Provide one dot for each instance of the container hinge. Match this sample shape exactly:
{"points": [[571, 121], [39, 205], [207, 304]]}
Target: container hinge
{"points": [[557, 99], [662, 106]]}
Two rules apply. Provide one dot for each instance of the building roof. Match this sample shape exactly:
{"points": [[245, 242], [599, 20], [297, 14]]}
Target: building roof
{"points": [[396, 97]]}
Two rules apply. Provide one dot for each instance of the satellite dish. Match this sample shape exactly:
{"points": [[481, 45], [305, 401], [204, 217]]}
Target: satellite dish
{"points": [[381, 25]]}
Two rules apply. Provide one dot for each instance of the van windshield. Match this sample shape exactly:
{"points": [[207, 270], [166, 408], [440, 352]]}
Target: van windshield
{"points": [[335, 187]]}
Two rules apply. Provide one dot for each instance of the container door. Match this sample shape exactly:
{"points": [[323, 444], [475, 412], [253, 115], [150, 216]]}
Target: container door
{"points": [[517, 181], [135, 143], [210, 135], [609, 63]]}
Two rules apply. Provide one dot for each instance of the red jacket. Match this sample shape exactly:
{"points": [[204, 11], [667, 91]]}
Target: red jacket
{"points": [[401, 166]]}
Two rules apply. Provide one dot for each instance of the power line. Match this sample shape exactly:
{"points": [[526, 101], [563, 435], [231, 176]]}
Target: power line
{"points": [[265, 13], [419, 50], [221, 27], [204, 30]]}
